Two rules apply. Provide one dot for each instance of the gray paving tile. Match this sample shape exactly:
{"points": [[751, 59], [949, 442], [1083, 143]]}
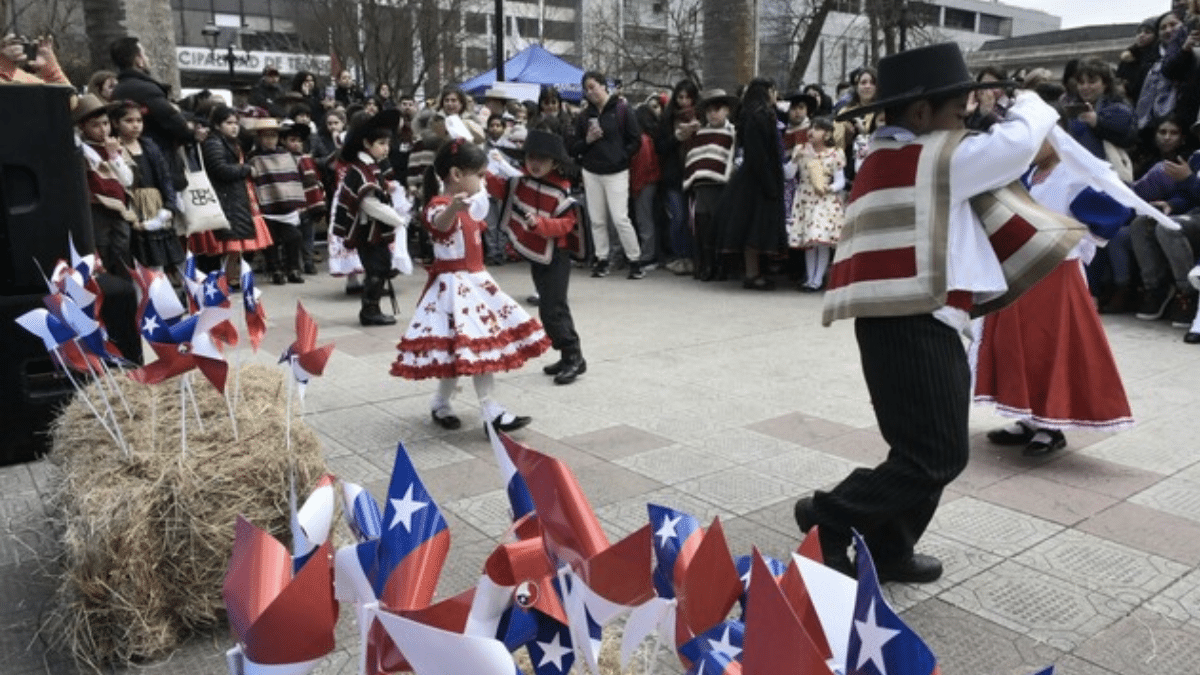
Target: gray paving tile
{"points": [[959, 561], [1147, 529], [1096, 564], [1173, 495], [672, 464], [1145, 643], [1046, 499], [605, 483], [1160, 445], [739, 489], [743, 445], [1036, 604], [616, 441], [800, 428], [1092, 473], [1180, 601], [488, 512], [964, 642], [989, 527], [629, 514], [804, 469]]}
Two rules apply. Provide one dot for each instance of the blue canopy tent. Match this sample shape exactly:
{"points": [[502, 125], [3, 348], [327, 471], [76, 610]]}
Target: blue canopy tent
{"points": [[533, 65]]}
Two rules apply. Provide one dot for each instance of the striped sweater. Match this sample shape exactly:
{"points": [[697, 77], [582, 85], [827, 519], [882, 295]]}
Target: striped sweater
{"points": [[891, 260], [708, 156], [277, 183]]}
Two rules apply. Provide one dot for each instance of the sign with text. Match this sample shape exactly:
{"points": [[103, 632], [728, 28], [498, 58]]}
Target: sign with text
{"points": [[203, 59]]}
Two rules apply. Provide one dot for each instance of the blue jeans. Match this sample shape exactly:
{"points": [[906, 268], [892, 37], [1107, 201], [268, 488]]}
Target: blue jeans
{"points": [[681, 236]]}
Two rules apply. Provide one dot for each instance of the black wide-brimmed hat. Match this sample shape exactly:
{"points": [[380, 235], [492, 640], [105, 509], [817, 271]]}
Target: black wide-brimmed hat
{"points": [[384, 119], [810, 102], [292, 128], [925, 72], [546, 144]]}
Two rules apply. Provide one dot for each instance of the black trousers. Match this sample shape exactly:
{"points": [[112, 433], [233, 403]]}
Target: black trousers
{"points": [[283, 255], [551, 281], [919, 380]]}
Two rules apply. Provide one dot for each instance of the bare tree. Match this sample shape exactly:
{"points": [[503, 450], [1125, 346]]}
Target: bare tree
{"points": [[652, 49], [793, 34], [405, 44], [62, 19]]}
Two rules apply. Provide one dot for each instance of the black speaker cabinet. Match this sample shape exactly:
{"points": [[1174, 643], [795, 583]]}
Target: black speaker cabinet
{"points": [[43, 197]]}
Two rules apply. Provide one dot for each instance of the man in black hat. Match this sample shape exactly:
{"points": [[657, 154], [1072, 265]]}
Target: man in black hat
{"points": [[913, 261], [538, 214]]}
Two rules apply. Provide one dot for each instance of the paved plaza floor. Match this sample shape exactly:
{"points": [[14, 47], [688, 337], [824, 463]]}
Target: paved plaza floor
{"points": [[724, 402]]}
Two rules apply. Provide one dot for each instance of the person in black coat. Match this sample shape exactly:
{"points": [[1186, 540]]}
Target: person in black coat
{"points": [[165, 125], [1135, 61], [751, 218]]}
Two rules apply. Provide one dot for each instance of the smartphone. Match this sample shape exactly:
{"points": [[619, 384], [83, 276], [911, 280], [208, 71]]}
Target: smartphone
{"points": [[1075, 109], [31, 51]]}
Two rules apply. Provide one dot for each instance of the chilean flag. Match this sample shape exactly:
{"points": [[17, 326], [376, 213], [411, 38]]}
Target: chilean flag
{"points": [[430, 650], [519, 498], [715, 663], [400, 569], [726, 638], [796, 592], [256, 316], [676, 537], [775, 641], [880, 643], [283, 621], [312, 522], [46, 326], [361, 511], [158, 306], [708, 589], [743, 564], [89, 331]]}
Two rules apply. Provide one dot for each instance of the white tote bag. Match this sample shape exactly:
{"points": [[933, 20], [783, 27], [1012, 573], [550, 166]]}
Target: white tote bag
{"points": [[201, 209]]}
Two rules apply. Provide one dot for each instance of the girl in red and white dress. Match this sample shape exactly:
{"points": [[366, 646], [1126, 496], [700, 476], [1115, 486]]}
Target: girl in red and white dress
{"points": [[464, 324], [1045, 359]]}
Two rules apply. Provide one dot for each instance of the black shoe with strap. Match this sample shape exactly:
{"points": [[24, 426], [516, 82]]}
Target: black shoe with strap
{"points": [[1006, 436], [1044, 442]]}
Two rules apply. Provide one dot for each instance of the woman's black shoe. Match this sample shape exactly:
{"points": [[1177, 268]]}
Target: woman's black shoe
{"points": [[278, 278], [515, 422], [1007, 437], [294, 277], [1044, 442], [450, 422]]}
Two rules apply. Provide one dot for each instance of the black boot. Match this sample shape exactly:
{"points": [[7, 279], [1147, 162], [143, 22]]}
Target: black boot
{"points": [[573, 366], [370, 315]]}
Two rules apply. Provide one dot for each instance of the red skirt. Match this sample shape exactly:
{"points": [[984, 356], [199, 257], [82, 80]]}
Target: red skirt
{"points": [[207, 243], [1046, 358]]}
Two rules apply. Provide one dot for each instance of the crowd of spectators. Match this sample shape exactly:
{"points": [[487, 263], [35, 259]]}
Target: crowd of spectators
{"points": [[634, 162]]}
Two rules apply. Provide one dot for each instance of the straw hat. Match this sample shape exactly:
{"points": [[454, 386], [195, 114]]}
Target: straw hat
{"points": [[89, 106]]}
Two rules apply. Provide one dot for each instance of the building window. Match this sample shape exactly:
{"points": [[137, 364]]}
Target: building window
{"points": [[959, 19], [476, 23], [995, 25], [477, 59], [924, 13], [558, 30]]}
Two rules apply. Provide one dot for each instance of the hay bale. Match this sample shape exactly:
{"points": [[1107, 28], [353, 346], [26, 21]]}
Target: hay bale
{"points": [[146, 539]]}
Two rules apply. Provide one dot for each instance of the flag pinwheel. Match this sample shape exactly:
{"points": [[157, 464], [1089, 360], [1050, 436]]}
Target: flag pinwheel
{"points": [[305, 358]]}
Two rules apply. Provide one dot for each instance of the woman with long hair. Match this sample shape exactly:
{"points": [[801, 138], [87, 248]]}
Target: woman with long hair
{"points": [[751, 219], [679, 123]]}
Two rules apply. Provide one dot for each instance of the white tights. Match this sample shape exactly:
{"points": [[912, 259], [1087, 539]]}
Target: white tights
{"points": [[816, 261], [489, 408]]}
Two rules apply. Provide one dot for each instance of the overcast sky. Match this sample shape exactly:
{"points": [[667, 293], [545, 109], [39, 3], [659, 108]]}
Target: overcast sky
{"points": [[1090, 12]]}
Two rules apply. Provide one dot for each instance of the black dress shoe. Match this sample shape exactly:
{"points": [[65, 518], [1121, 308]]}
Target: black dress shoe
{"points": [[554, 368], [278, 278], [515, 422], [759, 283], [450, 422], [833, 545], [1192, 338], [917, 569], [572, 368], [294, 277], [375, 318], [1044, 442], [1006, 437]]}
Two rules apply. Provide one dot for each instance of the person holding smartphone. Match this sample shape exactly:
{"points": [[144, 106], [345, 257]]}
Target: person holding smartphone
{"points": [[25, 61], [1099, 115]]}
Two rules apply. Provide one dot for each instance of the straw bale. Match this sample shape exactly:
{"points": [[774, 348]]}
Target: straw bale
{"points": [[146, 538]]}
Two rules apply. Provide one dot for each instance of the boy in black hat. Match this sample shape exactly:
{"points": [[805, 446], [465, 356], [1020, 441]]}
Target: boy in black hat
{"points": [[914, 263], [363, 213], [707, 165], [538, 214]]}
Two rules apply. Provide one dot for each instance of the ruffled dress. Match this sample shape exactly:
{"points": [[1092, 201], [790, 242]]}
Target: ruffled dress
{"points": [[1046, 357], [464, 324], [818, 218]]}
